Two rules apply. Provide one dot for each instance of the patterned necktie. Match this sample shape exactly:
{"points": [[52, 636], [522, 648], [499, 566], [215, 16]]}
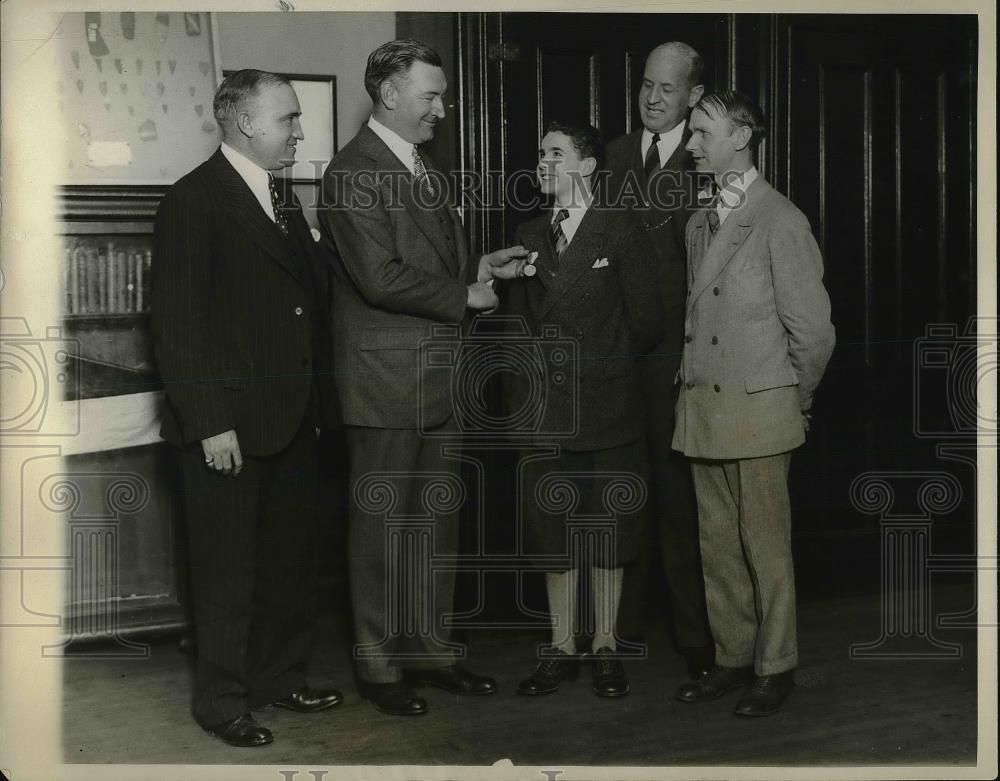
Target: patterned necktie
{"points": [[652, 161], [420, 172], [713, 216], [279, 214], [559, 240]]}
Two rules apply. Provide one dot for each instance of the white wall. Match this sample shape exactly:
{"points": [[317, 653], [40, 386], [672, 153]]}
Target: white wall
{"points": [[334, 43]]}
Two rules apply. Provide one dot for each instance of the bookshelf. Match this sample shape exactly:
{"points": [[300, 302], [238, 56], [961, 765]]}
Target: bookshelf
{"points": [[107, 234], [128, 559]]}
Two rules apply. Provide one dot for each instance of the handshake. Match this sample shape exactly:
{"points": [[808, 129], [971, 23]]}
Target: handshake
{"points": [[509, 263]]}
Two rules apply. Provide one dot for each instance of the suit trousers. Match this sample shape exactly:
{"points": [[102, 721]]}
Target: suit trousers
{"points": [[252, 543], [402, 542], [745, 521]]}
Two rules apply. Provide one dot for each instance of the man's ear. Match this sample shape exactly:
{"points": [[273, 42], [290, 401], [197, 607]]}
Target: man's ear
{"points": [[588, 165], [696, 94], [245, 124], [741, 137], [387, 92]]}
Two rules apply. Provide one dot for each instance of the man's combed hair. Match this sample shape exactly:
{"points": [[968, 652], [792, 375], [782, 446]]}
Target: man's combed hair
{"points": [[740, 110], [696, 65], [586, 139], [237, 88], [394, 59]]}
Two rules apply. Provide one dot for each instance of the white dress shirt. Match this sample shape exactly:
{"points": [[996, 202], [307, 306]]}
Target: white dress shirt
{"points": [[398, 145], [667, 144], [255, 177], [731, 195], [576, 214]]}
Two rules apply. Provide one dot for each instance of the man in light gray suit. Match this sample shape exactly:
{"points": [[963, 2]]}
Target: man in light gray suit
{"points": [[757, 338]]}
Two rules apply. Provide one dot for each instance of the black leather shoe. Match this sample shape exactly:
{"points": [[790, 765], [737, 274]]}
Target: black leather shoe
{"points": [[714, 684], [395, 699], [766, 695], [310, 700], [699, 661], [609, 674], [242, 732], [454, 679], [556, 666]]}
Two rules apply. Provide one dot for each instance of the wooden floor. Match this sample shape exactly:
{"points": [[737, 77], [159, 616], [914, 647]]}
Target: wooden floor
{"points": [[844, 712]]}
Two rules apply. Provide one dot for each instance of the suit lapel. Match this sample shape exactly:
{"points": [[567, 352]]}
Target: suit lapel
{"points": [[730, 236], [239, 200], [579, 256], [404, 190], [536, 237]]}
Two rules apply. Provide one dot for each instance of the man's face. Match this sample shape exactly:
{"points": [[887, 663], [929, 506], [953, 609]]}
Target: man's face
{"points": [[274, 119], [561, 170], [665, 95], [713, 144], [417, 102]]}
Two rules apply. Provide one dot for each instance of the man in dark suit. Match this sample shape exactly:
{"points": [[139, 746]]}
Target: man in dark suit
{"points": [[595, 282], [403, 266], [653, 164], [241, 337], [758, 339]]}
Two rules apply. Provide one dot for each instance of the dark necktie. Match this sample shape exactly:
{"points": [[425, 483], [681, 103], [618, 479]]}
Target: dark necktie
{"points": [[420, 171], [559, 240], [279, 214], [652, 161]]}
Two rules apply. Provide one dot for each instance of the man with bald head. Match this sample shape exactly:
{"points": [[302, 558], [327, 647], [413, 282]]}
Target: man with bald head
{"points": [[242, 342], [653, 164]]}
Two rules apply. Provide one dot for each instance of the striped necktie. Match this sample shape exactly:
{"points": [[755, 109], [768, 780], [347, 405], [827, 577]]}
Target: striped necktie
{"points": [[559, 240], [652, 161]]}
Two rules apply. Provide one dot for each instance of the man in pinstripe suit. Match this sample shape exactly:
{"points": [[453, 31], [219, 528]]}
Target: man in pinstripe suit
{"points": [[241, 337]]}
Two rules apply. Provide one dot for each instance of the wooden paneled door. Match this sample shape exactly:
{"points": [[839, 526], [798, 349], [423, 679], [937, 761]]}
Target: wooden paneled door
{"points": [[872, 134]]}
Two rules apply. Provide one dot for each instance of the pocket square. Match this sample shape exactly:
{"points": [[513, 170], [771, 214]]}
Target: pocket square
{"points": [[601, 263]]}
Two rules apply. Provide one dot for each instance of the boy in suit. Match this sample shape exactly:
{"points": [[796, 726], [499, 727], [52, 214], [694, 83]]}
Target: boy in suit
{"points": [[594, 278]]}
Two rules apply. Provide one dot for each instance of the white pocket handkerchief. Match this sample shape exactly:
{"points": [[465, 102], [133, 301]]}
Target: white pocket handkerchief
{"points": [[601, 263]]}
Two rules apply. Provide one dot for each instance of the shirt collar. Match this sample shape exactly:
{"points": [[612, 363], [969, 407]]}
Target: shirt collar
{"points": [[399, 146], [733, 194], [668, 144], [254, 175], [257, 178], [577, 211]]}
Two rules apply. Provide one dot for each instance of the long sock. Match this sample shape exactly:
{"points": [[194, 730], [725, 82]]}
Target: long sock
{"points": [[606, 585], [561, 588]]}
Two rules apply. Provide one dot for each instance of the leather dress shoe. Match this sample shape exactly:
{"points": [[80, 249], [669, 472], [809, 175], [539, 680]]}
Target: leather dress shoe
{"points": [[242, 732], [609, 674], [714, 684], [556, 666], [454, 679], [310, 700], [394, 699], [766, 695]]}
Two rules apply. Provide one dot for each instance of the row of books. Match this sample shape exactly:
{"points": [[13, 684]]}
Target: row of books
{"points": [[106, 280]]}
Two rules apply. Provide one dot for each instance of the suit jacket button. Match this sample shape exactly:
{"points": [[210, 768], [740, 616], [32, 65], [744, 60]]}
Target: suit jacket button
{"points": [[717, 389], [690, 385], [688, 338], [298, 310], [715, 291], [715, 340]]}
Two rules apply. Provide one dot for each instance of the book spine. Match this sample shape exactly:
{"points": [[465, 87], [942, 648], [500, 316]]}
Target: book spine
{"points": [[74, 281], [139, 277], [109, 295]]}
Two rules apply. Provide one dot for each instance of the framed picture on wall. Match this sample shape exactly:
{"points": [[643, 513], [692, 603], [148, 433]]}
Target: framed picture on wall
{"points": [[318, 100]]}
